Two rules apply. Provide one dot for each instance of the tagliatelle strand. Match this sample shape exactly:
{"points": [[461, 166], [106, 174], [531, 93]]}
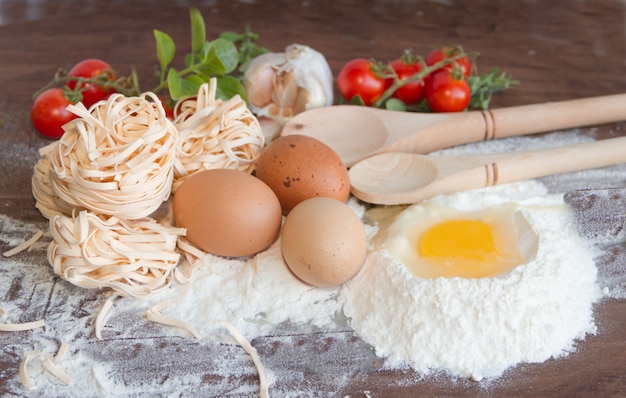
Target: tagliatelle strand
{"points": [[52, 367], [104, 311], [133, 257], [20, 327], [153, 314], [245, 344], [24, 376], [61, 353], [24, 245], [215, 134]]}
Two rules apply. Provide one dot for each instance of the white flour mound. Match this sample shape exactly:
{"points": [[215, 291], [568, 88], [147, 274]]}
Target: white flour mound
{"points": [[479, 328]]}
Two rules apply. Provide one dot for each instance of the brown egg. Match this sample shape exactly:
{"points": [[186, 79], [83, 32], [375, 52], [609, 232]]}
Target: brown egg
{"points": [[323, 242], [227, 212], [299, 167]]}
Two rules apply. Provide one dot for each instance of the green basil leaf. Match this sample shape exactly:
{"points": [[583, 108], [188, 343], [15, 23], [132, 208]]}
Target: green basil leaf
{"points": [[219, 57], [179, 87], [197, 80], [229, 86], [192, 59], [198, 31], [165, 48], [231, 36]]}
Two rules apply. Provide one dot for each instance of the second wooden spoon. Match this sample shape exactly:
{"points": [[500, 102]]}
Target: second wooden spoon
{"points": [[403, 178]]}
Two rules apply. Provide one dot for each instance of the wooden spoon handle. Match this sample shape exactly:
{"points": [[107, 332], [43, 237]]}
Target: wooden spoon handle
{"points": [[544, 162], [450, 129], [551, 116]]}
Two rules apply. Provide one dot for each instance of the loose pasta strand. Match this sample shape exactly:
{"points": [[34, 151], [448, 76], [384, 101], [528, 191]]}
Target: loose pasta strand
{"points": [[24, 245], [153, 314], [264, 385]]}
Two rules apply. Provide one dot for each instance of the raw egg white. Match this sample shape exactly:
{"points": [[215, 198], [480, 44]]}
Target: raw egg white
{"points": [[433, 240]]}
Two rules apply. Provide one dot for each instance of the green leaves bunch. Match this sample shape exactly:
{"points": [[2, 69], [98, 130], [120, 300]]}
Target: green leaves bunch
{"points": [[223, 58]]}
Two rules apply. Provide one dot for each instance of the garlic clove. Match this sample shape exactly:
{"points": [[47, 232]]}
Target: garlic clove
{"points": [[281, 85], [285, 90], [258, 79]]}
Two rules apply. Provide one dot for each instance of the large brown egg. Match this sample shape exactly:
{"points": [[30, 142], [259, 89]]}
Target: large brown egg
{"points": [[323, 242], [227, 212], [299, 167]]}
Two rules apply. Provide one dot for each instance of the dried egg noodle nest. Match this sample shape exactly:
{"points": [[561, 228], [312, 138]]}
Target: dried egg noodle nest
{"points": [[479, 328], [215, 134], [116, 158], [134, 257]]}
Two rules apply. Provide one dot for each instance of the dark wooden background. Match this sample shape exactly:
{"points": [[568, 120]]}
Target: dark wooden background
{"points": [[557, 49]]}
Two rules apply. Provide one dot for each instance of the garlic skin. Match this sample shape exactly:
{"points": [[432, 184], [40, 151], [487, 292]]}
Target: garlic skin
{"points": [[281, 85]]}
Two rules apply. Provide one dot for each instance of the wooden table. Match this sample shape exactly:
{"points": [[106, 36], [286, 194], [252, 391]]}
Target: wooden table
{"points": [[558, 50]]}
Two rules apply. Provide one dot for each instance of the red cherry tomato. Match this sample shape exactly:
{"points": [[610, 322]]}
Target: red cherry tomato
{"points": [[168, 106], [445, 93], [48, 113], [412, 92], [439, 54], [90, 68], [357, 78]]}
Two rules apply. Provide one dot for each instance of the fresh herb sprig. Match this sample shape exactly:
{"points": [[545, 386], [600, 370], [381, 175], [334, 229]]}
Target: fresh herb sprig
{"points": [[220, 58], [483, 86]]}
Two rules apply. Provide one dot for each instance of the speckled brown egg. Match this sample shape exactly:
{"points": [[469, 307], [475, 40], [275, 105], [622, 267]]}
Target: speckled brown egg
{"points": [[323, 242], [227, 212], [299, 167]]}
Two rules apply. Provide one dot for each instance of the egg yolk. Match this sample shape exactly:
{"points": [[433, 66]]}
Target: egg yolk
{"points": [[464, 248]]}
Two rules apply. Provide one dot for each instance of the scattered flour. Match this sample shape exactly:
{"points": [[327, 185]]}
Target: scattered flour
{"points": [[254, 296], [474, 329]]}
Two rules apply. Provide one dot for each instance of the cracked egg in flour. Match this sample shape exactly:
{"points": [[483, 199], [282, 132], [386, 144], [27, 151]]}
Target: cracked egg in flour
{"points": [[433, 240]]}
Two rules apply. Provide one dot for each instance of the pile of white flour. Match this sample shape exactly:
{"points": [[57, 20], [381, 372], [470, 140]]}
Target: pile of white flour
{"points": [[480, 327]]}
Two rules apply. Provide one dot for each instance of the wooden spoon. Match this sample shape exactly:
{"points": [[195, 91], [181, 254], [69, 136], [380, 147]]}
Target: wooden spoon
{"points": [[402, 178], [356, 132]]}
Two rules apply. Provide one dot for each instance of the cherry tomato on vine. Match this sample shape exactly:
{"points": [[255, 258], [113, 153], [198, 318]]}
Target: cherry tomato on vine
{"points": [[413, 92], [439, 54], [446, 93], [48, 113], [358, 78], [90, 68]]}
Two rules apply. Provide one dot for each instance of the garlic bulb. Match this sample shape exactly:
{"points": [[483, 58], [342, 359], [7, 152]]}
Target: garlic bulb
{"points": [[281, 85]]}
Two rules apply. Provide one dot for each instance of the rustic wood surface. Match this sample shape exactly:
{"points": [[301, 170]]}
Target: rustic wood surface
{"points": [[558, 50]]}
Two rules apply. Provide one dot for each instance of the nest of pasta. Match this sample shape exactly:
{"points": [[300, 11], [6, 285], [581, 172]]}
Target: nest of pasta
{"points": [[134, 257], [215, 134], [116, 158], [114, 167]]}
